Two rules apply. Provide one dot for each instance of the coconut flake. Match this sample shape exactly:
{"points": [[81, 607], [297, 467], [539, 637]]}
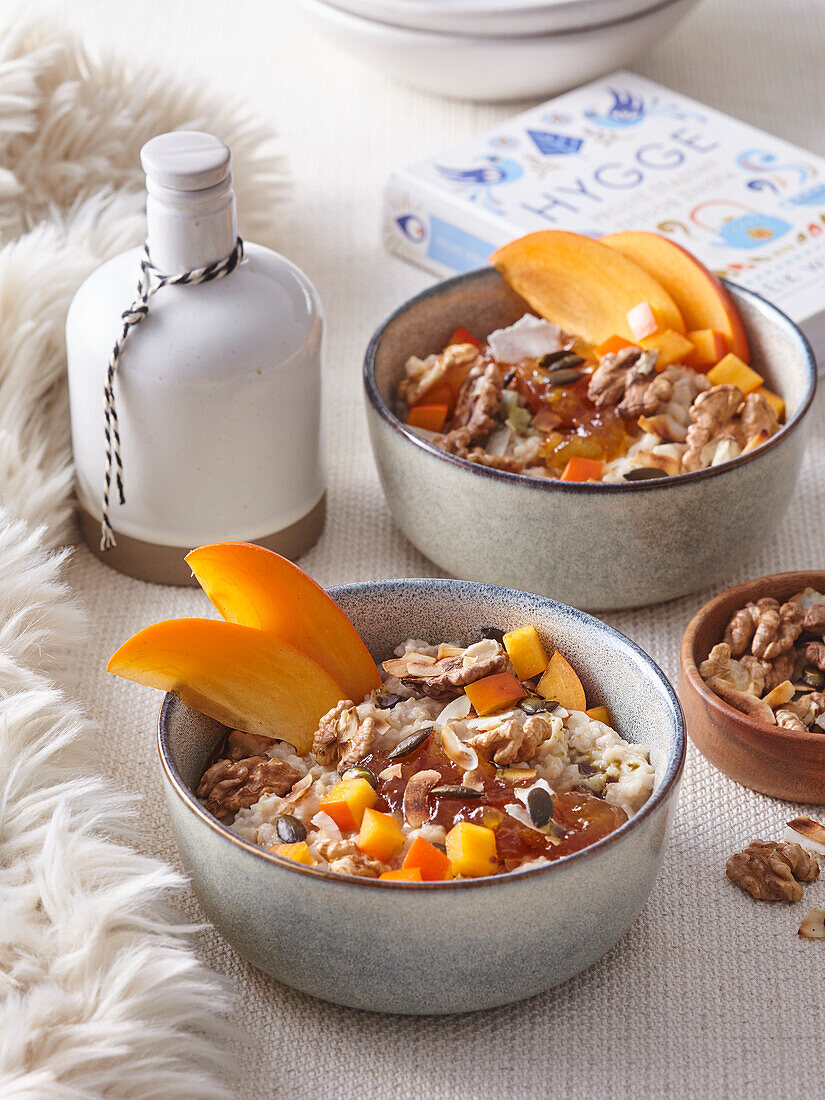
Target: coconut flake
{"points": [[808, 597], [807, 832], [391, 772], [813, 925], [300, 788], [499, 441], [423, 433], [324, 823], [462, 755], [521, 793], [459, 708], [529, 338]]}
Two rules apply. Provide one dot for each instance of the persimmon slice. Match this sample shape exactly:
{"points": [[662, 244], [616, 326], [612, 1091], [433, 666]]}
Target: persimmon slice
{"points": [[242, 677], [254, 587], [582, 285]]}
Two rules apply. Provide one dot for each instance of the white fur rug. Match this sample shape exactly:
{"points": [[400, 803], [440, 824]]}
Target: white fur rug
{"points": [[101, 994]]}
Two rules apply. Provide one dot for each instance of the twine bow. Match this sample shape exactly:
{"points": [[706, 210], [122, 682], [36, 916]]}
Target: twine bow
{"points": [[150, 282]]}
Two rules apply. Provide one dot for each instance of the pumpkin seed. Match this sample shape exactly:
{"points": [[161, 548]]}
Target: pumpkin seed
{"points": [[491, 632], [387, 702], [534, 704], [813, 677], [508, 379], [361, 773], [555, 358], [410, 744], [540, 807], [563, 376], [290, 830], [644, 473], [456, 792]]}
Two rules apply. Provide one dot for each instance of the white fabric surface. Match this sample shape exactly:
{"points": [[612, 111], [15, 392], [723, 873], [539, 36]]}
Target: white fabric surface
{"points": [[710, 993]]}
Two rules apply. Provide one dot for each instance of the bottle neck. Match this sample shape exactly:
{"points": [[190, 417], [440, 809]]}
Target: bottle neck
{"points": [[190, 229]]}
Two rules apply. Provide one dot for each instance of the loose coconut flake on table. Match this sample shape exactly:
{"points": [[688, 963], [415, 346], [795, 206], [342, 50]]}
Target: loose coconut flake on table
{"points": [[807, 832], [813, 925]]}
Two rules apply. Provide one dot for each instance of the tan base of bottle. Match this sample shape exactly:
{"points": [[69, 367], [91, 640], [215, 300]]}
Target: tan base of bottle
{"points": [[160, 564]]}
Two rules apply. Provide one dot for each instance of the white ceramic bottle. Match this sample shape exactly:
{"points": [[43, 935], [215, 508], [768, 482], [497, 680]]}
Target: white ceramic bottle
{"points": [[217, 390]]}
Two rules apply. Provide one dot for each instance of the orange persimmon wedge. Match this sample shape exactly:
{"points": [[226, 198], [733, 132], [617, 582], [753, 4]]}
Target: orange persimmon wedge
{"points": [[254, 587], [244, 678], [463, 336], [582, 285], [561, 683], [404, 874], [701, 298]]}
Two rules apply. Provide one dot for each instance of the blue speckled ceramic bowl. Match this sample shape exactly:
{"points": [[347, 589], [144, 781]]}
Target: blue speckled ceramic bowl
{"points": [[591, 545], [452, 946]]}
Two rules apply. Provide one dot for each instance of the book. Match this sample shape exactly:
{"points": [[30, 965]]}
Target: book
{"points": [[626, 153]]}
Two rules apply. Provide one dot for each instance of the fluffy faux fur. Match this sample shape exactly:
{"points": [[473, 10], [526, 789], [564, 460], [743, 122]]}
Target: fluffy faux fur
{"points": [[101, 994]]}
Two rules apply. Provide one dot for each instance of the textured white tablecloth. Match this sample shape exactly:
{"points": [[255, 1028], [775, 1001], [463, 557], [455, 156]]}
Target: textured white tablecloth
{"points": [[710, 994]]}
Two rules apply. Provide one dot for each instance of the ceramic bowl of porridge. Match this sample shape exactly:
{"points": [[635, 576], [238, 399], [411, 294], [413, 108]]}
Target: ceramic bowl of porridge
{"points": [[481, 818], [606, 475]]}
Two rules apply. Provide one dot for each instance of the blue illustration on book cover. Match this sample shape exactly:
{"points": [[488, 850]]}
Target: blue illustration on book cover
{"points": [[625, 153]]}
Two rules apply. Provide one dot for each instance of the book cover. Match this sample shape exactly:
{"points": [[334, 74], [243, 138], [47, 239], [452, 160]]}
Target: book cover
{"points": [[626, 153]]}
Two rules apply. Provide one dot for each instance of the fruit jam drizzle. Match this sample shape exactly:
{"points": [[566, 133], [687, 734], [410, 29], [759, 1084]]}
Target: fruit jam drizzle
{"points": [[580, 818]]}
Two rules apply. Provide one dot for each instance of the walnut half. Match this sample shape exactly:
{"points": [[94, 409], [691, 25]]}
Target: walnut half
{"points": [[771, 870]]}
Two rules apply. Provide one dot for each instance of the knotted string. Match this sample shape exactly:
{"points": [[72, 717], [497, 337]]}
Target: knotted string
{"points": [[149, 283]]}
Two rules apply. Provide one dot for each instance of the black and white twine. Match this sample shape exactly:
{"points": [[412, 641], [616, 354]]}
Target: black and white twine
{"points": [[151, 280]]}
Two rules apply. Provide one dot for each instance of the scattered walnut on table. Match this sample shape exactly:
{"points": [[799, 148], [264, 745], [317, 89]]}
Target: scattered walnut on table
{"points": [[772, 870]]}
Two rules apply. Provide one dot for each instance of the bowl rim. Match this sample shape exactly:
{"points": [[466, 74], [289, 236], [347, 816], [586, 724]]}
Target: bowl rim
{"points": [[596, 488], [662, 793], [690, 669], [432, 34]]}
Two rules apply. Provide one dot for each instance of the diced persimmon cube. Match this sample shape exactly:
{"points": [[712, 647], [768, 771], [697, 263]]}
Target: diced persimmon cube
{"points": [[671, 346], [774, 400], [582, 469], [494, 692], [405, 874], [431, 417], [346, 802], [561, 683], [611, 345], [381, 836], [441, 393], [731, 371], [471, 850], [463, 336], [526, 651], [642, 320], [299, 852], [600, 714], [709, 346], [432, 864]]}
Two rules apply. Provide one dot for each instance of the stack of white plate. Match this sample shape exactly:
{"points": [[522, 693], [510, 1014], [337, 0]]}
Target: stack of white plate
{"points": [[495, 49]]}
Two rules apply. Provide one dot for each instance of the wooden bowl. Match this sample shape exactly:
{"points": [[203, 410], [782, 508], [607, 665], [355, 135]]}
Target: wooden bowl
{"points": [[777, 762]]}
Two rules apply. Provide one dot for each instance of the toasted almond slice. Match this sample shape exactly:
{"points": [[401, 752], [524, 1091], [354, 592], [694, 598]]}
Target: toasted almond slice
{"points": [[300, 789], [782, 693], [392, 771], [813, 925], [807, 832]]}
